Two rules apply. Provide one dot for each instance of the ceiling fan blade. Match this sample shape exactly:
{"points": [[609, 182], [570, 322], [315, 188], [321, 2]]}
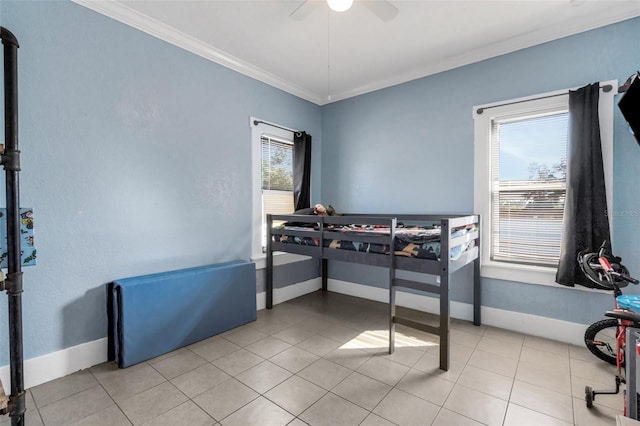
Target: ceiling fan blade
{"points": [[303, 10], [382, 9]]}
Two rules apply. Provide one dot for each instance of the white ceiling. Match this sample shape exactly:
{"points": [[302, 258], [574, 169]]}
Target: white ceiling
{"points": [[329, 56]]}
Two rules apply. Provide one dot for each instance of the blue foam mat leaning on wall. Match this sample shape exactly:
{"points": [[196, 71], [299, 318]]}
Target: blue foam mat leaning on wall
{"points": [[154, 314]]}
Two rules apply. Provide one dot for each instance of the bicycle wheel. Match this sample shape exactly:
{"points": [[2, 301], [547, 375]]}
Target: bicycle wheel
{"points": [[600, 339]]}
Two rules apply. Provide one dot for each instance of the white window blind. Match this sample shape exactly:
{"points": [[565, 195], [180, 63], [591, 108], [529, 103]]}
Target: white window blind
{"points": [[528, 187], [277, 179], [277, 176], [277, 165]]}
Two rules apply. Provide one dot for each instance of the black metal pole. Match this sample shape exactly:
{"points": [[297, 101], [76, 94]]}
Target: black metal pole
{"points": [[13, 285]]}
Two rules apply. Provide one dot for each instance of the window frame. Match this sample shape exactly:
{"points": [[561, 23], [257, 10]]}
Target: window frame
{"points": [[281, 141], [532, 110], [531, 274], [257, 131]]}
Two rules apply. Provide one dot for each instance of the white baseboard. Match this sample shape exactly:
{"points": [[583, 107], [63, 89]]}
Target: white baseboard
{"points": [[61, 363], [535, 325], [51, 366], [289, 292], [550, 328], [58, 364]]}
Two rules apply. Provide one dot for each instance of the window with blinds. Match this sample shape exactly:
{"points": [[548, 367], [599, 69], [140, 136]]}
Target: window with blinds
{"points": [[277, 178], [528, 187]]}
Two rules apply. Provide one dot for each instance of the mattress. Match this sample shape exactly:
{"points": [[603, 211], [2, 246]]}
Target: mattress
{"points": [[410, 241], [154, 314]]}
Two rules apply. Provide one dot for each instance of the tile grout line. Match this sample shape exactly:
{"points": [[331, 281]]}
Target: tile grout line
{"points": [[312, 309], [109, 395], [513, 383], [36, 406]]}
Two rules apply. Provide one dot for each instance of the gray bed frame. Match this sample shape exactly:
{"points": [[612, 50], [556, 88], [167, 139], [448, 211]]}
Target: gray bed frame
{"points": [[443, 267]]}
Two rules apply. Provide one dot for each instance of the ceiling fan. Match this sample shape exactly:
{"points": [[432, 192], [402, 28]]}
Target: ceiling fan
{"points": [[383, 9]]}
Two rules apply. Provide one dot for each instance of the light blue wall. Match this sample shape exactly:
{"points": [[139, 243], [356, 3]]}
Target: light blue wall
{"points": [[135, 157], [409, 149]]}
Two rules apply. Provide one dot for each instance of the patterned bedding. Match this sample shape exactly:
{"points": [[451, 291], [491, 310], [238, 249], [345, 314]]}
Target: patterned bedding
{"points": [[411, 241]]}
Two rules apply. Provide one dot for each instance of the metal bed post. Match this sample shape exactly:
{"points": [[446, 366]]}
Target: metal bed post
{"points": [[445, 241], [13, 283], [269, 281], [477, 288], [324, 266], [392, 316], [392, 288], [324, 272]]}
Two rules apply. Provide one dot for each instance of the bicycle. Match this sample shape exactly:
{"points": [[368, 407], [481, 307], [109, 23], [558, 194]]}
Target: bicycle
{"points": [[607, 273], [600, 337]]}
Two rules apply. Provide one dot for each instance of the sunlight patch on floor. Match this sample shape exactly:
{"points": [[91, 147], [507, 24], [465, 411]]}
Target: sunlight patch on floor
{"points": [[375, 339]]}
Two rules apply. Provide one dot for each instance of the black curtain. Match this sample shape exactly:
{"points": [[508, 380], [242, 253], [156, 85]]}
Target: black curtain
{"points": [[585, 223], [301, 170]]}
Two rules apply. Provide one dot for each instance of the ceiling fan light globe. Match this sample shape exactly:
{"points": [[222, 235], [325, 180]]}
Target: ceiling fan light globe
{"points": [[339, 5]]}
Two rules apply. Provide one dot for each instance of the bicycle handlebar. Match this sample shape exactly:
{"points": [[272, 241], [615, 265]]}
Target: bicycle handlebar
{"points": [[608, 269], [624, 277], [605, 270]]}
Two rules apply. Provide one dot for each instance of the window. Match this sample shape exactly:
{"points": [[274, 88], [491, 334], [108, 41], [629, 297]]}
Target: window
{"points": [[520, 182], [271, 184], [277, 178], [528, 187]]}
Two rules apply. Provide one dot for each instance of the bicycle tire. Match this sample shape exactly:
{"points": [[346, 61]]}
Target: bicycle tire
{"points": [[603, 331]]}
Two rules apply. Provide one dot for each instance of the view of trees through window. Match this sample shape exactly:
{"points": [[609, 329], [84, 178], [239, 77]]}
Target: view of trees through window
{"points": [[277, 165], [529, 171], [277, 179]]}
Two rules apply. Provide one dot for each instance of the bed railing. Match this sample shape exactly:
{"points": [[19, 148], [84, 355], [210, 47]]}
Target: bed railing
{"points": [[443, 267], [321, 223]]}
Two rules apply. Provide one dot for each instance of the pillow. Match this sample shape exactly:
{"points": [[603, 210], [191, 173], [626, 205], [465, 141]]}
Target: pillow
{"points": [[307, 211]]}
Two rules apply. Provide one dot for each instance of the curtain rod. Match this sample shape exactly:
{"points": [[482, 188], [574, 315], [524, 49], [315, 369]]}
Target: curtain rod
{"points": [[256, 122], [606, 88]]}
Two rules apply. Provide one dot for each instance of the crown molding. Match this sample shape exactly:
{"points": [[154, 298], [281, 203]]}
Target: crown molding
{"points": [[137, 20], [497, 49]]}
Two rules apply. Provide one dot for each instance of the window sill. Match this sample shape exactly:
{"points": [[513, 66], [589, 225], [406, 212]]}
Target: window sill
{"points": [[279, 258], [527, 274]]}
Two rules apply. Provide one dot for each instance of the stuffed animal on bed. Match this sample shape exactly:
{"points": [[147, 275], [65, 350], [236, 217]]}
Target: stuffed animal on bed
{"points": [[321, 210]]}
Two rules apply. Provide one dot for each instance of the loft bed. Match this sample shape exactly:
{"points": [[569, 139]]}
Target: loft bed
{"points": [[429, 244]]}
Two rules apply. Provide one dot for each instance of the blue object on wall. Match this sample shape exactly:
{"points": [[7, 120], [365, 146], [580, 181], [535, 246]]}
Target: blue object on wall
{"points": [[154, 314], [26, 237]]}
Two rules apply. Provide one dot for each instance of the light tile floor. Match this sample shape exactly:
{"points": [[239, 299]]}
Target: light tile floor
{"points": [[322, 359]]}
